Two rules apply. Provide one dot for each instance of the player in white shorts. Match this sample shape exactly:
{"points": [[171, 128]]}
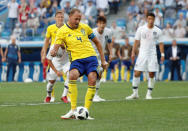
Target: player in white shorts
{"points": [[104, 35], [58, 64], [148, 36]]}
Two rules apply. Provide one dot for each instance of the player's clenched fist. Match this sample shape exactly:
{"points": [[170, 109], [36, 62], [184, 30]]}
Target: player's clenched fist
{"points": [[104, 65]]}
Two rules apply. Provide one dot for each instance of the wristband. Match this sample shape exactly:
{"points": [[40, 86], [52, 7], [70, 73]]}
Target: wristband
{"points": [[162, 54]]}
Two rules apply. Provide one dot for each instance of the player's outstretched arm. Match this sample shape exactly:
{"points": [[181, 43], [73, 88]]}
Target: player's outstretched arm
{"points": [[99, 48], [53, 68], [44, 49], [161, 47], [135, 46]]}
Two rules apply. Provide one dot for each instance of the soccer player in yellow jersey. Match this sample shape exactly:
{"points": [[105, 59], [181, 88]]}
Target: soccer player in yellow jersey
{"points": [[49, 41], [75, 37]]}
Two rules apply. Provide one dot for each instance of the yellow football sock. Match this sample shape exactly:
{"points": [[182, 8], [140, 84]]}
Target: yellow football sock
{"points": [[89, 96], [53, 94], [116, 74], [113, 76], [73, 93], [104, 74], [122, 73], [128, 75]]}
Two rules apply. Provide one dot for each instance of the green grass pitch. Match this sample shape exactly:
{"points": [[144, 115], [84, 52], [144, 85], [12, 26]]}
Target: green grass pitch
{"points": [[22, 108]]}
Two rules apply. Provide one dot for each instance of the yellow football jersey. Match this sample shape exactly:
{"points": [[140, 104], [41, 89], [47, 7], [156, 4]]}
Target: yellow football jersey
{"points": [[51, 32], [76, 41]]}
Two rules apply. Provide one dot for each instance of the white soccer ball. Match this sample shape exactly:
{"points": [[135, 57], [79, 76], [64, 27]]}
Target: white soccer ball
{"points": [[28, 80], [81, 113]]}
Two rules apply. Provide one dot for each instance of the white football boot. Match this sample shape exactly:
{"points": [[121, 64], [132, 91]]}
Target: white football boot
{"points": [[148, 96], [52, 99], [90, 118], [69, 115], [97, 98], [133, 96]]}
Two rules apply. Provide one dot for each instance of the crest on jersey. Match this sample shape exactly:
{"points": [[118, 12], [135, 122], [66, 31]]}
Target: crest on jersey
{"points": [[69, 35], [83, 31], [55, 32]]}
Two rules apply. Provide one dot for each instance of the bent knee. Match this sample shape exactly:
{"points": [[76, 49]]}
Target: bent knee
{"points": [[74, 74], [92, 78]]}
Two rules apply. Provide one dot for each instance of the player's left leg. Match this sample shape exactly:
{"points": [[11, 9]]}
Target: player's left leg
{"points": [[152, 68], [92, 77], [151, 83]]}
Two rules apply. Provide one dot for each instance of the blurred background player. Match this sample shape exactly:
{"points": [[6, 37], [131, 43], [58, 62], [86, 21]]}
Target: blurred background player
{"points": [[174, 54], [13, 57], [114, 64], [58, 64], [104, 35], [126, 60], [148, 36], [75, 36], [49, 41]]}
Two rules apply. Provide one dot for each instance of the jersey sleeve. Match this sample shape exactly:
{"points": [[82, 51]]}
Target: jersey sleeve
{"points": [[60, 37], [48, 35], [138, 34], [90, 33]]}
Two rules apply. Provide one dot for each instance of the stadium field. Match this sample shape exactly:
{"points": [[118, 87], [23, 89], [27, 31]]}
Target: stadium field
{"points": [[22, 108]]}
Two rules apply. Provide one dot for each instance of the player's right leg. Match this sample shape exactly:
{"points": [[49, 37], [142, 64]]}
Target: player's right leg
{"points": [[73, 76], [135, 84]]}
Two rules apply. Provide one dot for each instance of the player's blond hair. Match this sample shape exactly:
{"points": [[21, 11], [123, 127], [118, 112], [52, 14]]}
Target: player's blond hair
{"points": [[73, 11], [59, 12]]}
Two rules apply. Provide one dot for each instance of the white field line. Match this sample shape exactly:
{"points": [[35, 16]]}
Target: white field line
{"points": [[117, 100]]}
